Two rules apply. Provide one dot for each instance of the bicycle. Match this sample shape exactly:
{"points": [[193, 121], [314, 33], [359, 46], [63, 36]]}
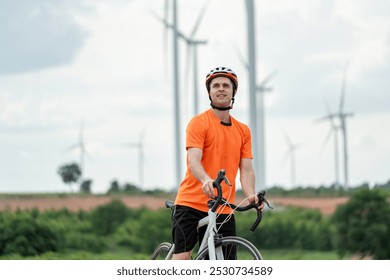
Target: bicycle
{"points": [[213, 246]]}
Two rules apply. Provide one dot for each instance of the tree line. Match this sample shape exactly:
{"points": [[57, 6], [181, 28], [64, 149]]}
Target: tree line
{"points": [[71, 174]]}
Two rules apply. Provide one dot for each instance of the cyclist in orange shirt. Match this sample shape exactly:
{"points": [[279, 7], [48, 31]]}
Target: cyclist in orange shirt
{"points": [[214, 140]]}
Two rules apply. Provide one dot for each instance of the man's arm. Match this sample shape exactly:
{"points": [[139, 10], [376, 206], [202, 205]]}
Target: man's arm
{"points": [[194, 157], [247, 179]]}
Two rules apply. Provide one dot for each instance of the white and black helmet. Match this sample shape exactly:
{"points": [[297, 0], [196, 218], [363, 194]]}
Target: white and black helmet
{"points": [[222, 72]]}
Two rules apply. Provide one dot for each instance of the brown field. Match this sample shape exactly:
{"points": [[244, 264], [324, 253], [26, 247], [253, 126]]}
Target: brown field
{"points": [[326, 205]]}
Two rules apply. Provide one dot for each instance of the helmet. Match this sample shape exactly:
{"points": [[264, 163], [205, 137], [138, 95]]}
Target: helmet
{"points": [[222, 72]]}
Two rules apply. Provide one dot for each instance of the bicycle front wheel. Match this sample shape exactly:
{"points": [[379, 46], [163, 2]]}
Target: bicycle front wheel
{"points": [[234, 248], [161, 251]]}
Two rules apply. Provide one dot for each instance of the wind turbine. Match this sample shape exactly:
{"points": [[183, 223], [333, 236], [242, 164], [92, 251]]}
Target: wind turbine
{"points": [[140, 146], [192, 45], [176, 87], [257, 131], [333, 131], [260, 116], [342, 115], [80, 145], [261, 89], [290, 153]]}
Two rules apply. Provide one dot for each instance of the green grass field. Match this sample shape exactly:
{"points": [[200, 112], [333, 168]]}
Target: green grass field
{"points": [[128, 255]]}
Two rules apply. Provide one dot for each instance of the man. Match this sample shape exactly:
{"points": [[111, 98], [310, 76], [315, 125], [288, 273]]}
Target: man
{"points": [[214, 141]]}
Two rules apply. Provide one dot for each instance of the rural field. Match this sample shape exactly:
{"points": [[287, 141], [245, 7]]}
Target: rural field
{"points": [[75, 203]]}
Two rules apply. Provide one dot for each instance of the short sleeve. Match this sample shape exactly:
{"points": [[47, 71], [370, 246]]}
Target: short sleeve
{"points": [[195, 134], [246, 149]]}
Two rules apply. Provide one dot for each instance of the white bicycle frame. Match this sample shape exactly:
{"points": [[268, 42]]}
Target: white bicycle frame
{"points": [[211, 231]]}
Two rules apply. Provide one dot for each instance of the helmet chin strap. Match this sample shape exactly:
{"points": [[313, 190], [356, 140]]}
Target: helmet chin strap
{"points": [[221, 108]]}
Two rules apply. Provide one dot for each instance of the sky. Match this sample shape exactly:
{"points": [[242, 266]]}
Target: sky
{"points": [[107, 66]]}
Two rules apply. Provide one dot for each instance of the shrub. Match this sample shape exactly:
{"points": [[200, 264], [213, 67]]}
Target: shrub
{"points": [[25, 235], [107, 218], [363, 225]]}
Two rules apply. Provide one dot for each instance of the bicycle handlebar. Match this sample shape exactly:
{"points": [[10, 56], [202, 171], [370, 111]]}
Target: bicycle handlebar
{"points": [[219, 200]]}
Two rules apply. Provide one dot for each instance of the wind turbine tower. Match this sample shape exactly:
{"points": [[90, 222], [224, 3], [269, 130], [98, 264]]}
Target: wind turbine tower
{"points": [[257, 130], [290, 153], [176, 88], [260, 90], [140, 146], [334, 131], [81, 146]]}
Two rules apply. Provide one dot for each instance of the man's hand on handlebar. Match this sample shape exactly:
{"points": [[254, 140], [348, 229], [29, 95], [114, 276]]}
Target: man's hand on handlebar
{"points": [[255, 200], [207, 188]]}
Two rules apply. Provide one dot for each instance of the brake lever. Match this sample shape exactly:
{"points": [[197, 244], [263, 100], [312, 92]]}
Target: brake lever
{"points": [[261, 198], [268, 204], [227, 181]]}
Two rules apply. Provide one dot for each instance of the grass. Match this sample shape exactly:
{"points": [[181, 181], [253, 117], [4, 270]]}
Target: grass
{"points": [[128, 255], [298, 255]]}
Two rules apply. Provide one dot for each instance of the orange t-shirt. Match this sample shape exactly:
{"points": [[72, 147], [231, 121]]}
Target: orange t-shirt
{"points": [[223, 147]]}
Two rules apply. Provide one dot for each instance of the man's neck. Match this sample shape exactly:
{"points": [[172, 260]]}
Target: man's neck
{"points": [[224, 116]]}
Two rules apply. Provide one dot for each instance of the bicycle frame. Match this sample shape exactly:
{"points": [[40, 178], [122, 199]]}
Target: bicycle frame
{"points": [[209, 237]]}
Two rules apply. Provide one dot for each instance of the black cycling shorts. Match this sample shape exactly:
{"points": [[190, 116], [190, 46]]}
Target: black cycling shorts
{"points": [[185, 234]]}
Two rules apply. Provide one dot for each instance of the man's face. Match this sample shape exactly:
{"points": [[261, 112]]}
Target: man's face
{"points": [[221, 91]]}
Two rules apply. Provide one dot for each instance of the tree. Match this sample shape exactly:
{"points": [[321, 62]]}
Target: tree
{"points": [[131, 188], [363, 225], [70, 173], [114, 187], [85, 186]]}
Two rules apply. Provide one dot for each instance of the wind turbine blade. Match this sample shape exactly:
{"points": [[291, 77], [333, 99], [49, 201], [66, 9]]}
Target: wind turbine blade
{"points": [[330, 114], [285, 158], [170, 26], [288, 141], [72, 147], [343, 86], [164, 21], [187, 65], [322, 119], [269, 77], [326, 140], [241, 58], [142, 135], [199, 19], [327, 107]]}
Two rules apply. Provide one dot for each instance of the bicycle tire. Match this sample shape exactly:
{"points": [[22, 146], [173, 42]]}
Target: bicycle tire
{"points": [[234, 248], [161, 251]]}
